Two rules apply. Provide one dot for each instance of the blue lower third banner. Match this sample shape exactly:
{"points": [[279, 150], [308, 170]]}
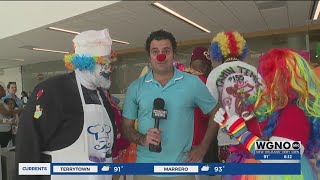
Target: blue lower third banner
{"points": [[159, 169]]}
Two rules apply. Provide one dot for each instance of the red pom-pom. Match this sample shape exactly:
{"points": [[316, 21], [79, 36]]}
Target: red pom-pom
{"points": [[161, 57], [40, 92]]}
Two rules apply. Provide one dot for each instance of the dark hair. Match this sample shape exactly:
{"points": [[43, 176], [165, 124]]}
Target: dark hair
{"points": [[10, 99], [24, 93], [9, 84], [161, 35]]}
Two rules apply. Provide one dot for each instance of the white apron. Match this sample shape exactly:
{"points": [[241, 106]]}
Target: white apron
{"points": [[95, 141]]}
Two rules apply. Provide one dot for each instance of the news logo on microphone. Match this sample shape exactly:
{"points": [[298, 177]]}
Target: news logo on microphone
{"points": [[277, 150], [159, 113]]}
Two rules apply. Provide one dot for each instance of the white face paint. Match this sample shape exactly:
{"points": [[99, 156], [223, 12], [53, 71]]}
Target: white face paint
{"points": [[102, 74], [99, 77]]}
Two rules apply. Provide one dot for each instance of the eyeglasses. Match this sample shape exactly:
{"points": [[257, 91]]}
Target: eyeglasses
{"points": [[155, 52]]}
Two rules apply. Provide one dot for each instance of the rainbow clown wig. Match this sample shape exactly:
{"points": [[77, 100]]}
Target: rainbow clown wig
{"points": [[289, 79], [228, 46], [87, 62]]}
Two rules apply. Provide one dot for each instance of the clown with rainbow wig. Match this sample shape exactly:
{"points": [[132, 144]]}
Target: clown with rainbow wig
{"points": [[287, 109], [68, 117], [232, 82]]}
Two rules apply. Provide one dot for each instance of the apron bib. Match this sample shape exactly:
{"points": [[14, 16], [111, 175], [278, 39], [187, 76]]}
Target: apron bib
{"points": [[94, 144]]}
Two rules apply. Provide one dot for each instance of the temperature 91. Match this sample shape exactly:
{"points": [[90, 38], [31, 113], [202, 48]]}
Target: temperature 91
{"points": [[117, 169]]}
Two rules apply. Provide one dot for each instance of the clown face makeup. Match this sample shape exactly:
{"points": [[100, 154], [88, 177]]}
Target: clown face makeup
{"points": [[106, 70], [99, 77], [102, 74]]}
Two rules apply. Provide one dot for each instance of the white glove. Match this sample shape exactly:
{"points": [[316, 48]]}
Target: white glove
{"points": [[224, 118], [219, 116]]}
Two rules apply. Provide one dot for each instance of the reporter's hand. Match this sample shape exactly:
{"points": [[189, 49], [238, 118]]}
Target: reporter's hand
{"points": [[196, 154], [152, 137]]}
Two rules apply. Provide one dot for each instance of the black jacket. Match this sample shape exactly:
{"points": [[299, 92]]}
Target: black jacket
{"points": [[59, 125]]}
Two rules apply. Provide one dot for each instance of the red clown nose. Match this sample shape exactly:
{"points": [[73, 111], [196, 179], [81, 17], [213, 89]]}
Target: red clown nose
{"points": [[161, 57]]}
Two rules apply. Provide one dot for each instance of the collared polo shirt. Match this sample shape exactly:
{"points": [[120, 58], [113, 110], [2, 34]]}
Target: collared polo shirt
{"points": [[181, 94]]}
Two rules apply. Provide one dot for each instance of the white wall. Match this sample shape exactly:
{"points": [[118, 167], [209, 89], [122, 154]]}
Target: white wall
{"points": [[12, 75], [40, 13]]}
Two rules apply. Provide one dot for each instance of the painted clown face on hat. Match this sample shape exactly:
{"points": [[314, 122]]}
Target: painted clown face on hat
{"points": [[93, 53]]}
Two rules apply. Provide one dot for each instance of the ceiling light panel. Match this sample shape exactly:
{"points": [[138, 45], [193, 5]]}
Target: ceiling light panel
{"points": [[172, 12], [74, 32]]}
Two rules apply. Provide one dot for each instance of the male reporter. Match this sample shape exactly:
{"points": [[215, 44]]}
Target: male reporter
{"points": [[182, 92]]}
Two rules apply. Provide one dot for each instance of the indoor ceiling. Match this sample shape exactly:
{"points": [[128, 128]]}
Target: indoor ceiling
{"points": [[132, 21]]}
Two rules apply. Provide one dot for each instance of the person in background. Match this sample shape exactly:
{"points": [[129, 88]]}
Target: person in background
{"points": [[119, 149], [200, 65], [287, 109], [14, 120], [11, 93], [24, 97], [178, 65], [5, 124], [232, 82], [4, 110], [177, 90], [11, 103]]}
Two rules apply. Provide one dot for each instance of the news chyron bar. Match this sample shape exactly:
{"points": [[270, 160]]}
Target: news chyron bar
{"points": [[277, 150], [286, 154]]}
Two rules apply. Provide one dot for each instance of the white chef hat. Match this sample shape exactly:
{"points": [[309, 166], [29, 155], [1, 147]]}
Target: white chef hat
{"points": [[93, 43]]}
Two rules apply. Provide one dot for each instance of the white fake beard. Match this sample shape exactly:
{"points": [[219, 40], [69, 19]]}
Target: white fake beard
{"points": [[93, 80]]}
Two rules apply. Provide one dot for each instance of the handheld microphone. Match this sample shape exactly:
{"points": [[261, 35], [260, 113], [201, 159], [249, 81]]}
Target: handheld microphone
{"points": [[158, 112]]}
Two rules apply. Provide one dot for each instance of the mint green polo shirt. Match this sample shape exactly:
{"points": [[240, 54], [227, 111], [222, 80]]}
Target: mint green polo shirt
{"points": [[181, 94]]}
